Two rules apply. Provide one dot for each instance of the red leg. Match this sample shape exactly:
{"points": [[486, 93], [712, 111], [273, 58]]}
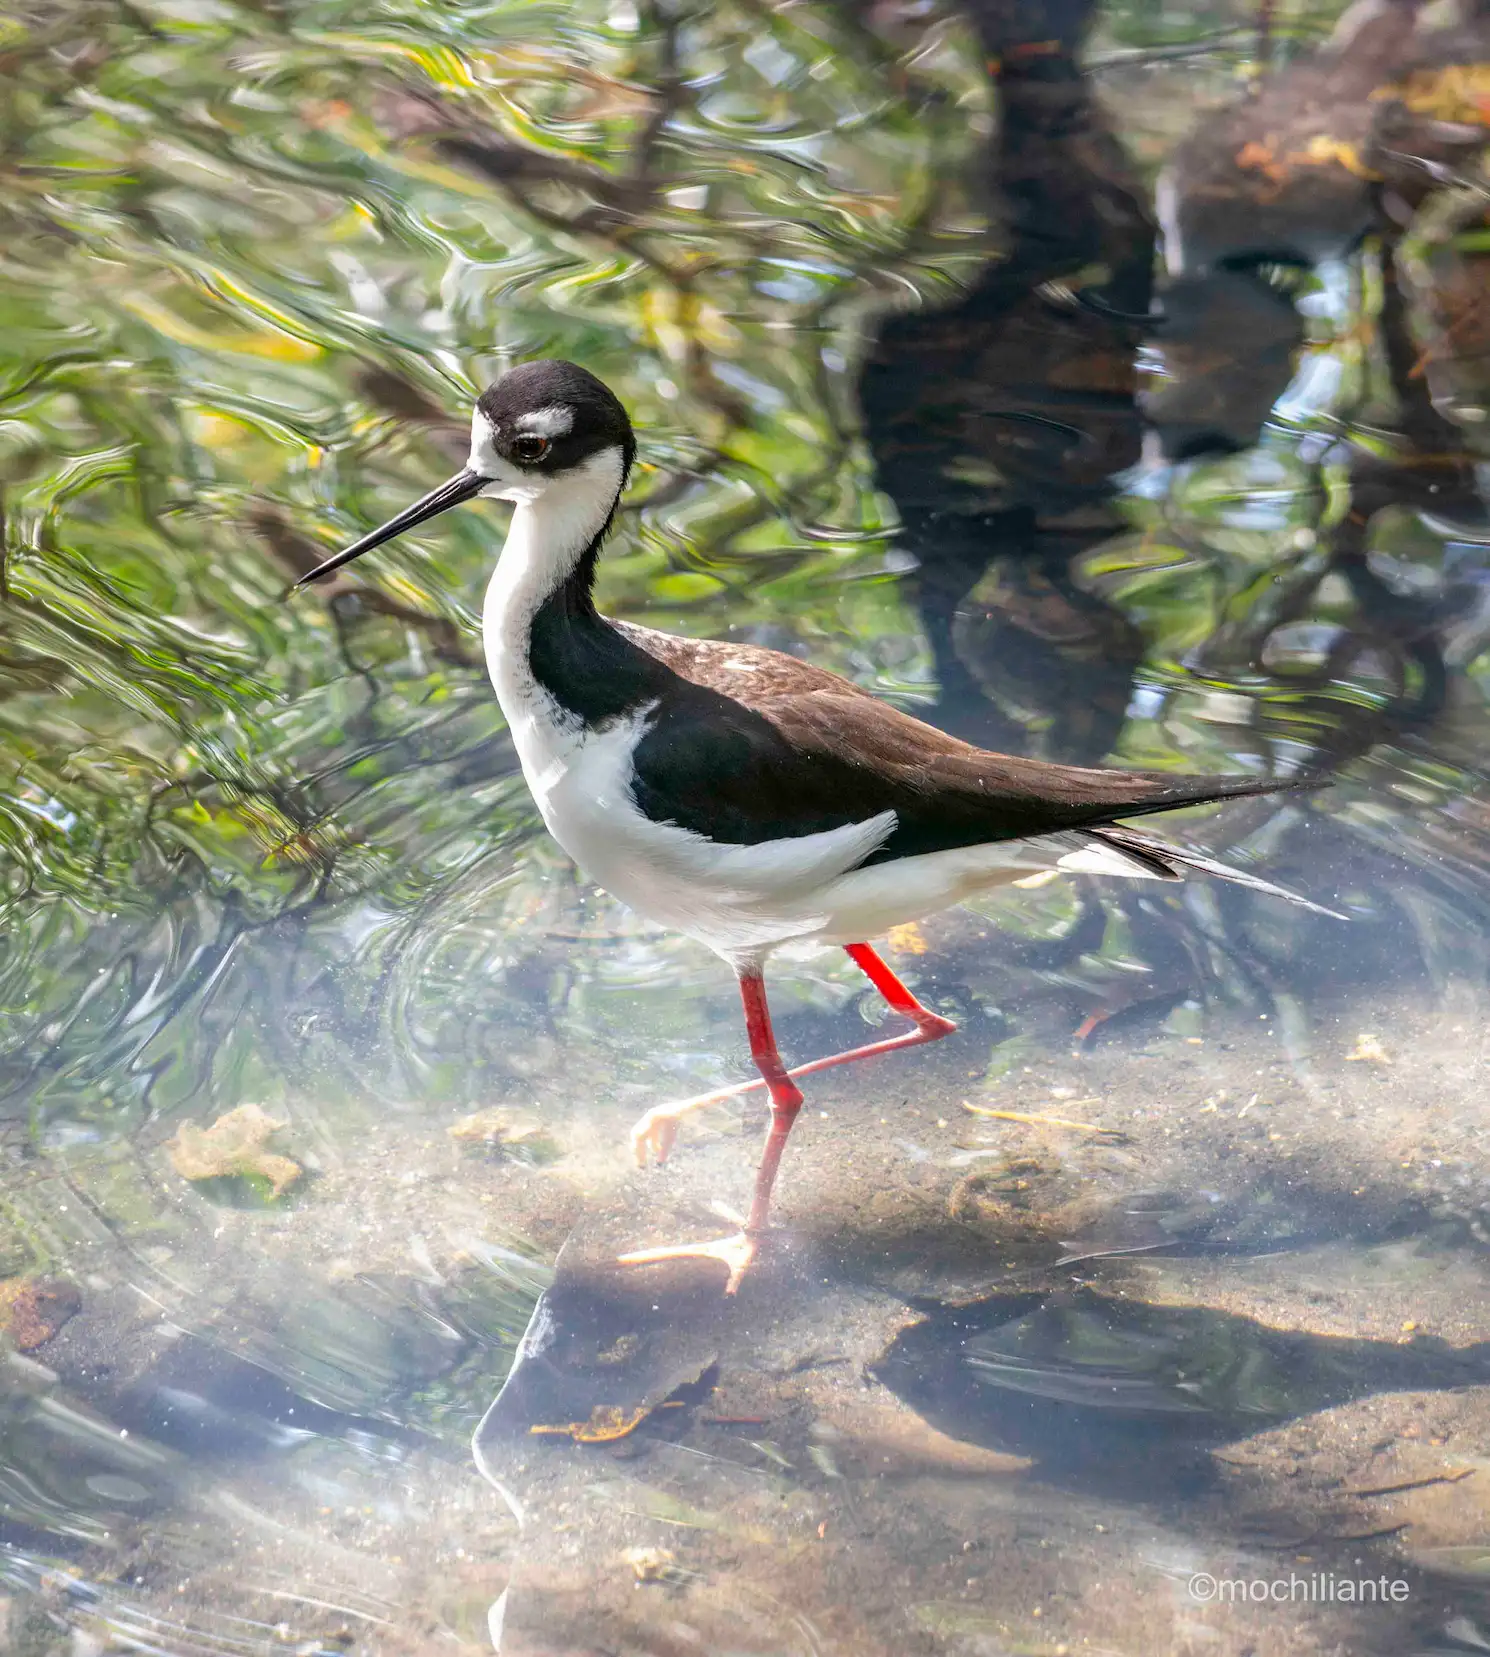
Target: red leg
{"points": [[738, 1251], [1089, 1025], [786, 1096], [900, 999], [659, 1127], [657, 1130]]}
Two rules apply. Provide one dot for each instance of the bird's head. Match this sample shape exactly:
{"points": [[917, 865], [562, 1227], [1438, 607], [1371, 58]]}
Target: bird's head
{"points": [[547, 431]]}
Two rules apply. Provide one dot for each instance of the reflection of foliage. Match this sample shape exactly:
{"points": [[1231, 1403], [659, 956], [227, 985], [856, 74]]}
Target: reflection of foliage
{"points": [[257, 262], [239, 303]]}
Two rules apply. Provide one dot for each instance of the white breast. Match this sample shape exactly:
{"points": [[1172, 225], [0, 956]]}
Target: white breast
{"points": [[738, 900]]}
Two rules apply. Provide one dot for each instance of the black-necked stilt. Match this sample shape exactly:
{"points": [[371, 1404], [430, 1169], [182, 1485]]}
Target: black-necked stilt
{"points": [[738, 795]]}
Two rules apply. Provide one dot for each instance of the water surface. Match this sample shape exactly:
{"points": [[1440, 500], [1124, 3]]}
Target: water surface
{"points": [[1104, 384]]}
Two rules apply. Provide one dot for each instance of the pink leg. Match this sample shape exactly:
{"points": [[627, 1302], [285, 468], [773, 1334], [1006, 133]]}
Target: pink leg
{"points": [[658, 1128]]}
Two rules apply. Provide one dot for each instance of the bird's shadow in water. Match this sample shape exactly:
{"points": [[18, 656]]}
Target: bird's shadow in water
{"points": [[1119, 1398], [607, 1345]]}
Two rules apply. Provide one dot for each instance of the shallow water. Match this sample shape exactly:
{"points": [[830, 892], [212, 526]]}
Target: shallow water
{"points": [[924, 394]]}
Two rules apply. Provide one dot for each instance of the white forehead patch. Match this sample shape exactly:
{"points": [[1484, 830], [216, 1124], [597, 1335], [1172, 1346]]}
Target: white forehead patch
{"points": [[484, 458], [557, 420]]}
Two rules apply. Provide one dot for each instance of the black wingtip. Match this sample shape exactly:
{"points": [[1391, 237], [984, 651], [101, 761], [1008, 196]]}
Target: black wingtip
{"points": [[1177, 861]]}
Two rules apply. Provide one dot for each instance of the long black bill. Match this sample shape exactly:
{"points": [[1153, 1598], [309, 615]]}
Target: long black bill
{"points": [[463, 486]]}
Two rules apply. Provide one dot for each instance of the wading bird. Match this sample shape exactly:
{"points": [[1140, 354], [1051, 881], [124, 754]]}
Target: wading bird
{"points": [[738, 795]]}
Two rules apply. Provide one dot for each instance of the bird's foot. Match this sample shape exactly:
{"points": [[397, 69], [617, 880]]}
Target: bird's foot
{"points": [[737, 1252], [655, 1133]]}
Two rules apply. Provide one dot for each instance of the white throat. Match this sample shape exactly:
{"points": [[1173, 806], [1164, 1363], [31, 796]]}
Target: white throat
{"points": [[551, 529]]}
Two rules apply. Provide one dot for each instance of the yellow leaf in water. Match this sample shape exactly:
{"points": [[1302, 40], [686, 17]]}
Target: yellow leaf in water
{"points": [[607, 1422], [1323, 150], [234, 1144], [500, 1130], [1368, 1050], [651, 1564], [908, 939], [487, 1127], [1459, 92]]}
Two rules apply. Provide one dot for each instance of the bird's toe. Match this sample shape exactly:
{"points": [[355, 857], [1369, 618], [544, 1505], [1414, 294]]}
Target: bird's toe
{"points": [[654, 1135], [736, 1254]]}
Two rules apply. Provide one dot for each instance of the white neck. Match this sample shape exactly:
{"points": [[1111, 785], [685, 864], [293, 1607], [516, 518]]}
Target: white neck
{"points": [[550, 532]]}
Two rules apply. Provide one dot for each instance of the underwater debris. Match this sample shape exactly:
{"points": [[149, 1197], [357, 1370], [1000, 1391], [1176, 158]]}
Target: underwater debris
{"points": [[1046, 1121], [907, 940], [606, 1423], [33, 1309], [1453, 92], [234, 1144], [499, 1131], [1368, 1050], [657, 1566]]}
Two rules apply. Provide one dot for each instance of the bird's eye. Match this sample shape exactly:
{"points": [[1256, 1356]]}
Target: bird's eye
{"points": [[530, 449]]}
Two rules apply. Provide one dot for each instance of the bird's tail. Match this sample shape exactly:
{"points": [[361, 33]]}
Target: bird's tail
{"points": [[1162, 861]]}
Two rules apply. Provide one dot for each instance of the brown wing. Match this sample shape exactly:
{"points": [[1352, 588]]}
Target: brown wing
{"points": [[766, 747]]}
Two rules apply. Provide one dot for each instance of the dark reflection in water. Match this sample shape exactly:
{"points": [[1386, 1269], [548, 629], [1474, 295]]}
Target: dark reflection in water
{"points": [[1104, 383], [1120, 1396], [998, 426]]}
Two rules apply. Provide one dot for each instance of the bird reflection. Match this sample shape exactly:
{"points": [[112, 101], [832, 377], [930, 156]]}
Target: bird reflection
{"points": [[997, 426], [1338, 158], [1011, 427], [1000, 425]]}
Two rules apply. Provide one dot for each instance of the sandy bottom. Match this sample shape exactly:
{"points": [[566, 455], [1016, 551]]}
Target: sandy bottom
{"points": [[999, 1386]]}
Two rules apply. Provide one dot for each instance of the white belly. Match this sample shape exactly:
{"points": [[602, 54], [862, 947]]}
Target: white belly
{"points": [[738, 900], [742, 901]]}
